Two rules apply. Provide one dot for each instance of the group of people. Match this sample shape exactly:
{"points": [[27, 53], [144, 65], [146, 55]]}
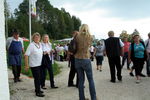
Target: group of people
{"points": [[61, 52], [137, 52], [39, 56]]}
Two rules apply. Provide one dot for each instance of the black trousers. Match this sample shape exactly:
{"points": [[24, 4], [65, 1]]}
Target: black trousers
{"points": [[138, 65], [125, 57], [47, 66], [92, 56], [16, 70], [61, 58], [37, 76], [99, 60], [114, 63], [44, 70], [72, 72], [148, 66]]}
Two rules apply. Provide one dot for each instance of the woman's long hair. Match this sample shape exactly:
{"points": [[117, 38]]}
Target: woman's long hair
{"points": [[84, 29], [48, 39]]}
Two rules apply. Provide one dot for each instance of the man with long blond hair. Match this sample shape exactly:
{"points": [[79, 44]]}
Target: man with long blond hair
{"points": [[83, 62]]}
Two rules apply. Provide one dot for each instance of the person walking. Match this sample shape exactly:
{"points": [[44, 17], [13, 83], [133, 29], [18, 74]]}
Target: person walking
{"points": [[147, 44], [61, 53], [83, 63], [47, 62], [15, 49], [114, 48], [99, 54], [138, 55], [71, 57], [126, 50], [34, 55], [92, 52]]}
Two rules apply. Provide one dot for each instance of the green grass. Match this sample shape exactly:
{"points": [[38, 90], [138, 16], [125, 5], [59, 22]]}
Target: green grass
{"points": [[56, 67]]}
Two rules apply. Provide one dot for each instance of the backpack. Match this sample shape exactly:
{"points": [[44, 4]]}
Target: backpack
{"points": [[132, 51], [73, 46]]}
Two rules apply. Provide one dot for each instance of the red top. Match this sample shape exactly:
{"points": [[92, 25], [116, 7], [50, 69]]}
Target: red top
{"points": [[126, 46]]}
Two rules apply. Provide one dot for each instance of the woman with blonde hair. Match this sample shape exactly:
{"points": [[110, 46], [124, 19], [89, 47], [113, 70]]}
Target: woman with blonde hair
{"points": [[34, 55], [47, 62], [83, 62]]}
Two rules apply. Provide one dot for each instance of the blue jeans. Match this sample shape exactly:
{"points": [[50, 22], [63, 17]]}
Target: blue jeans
{"points": [[84, 65]]}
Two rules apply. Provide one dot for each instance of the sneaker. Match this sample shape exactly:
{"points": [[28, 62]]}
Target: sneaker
{"points": [[137, 81]]}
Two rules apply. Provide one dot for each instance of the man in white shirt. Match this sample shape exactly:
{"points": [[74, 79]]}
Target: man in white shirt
{"points": [[147, 44], [15, 48]]}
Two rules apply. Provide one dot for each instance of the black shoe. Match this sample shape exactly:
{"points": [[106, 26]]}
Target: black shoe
{"points": [[15, 80], [19, 80], [142, 75], [54, 87], [120, 78], [131, 74], [148, 75], [112, 81], [40, 92], [44, 88], [40, 95], [72, 85]]}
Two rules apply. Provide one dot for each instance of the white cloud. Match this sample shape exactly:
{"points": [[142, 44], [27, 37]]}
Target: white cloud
{"points": [[100, 24]]}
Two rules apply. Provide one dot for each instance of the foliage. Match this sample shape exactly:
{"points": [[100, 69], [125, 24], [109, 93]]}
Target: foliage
{"points": [[57, 23], [124, 34]]}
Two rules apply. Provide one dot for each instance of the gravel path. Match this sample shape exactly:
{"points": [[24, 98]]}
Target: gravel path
{"points": [[127, 90]]}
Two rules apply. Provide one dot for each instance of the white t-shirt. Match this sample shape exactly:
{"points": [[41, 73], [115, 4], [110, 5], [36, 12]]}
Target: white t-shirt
{"points": [[92, 49], [66, 48], [35, 53], [10, 39]]}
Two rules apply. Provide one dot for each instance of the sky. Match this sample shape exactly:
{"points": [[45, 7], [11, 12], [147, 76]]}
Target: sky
{"points": [[105, 15]]}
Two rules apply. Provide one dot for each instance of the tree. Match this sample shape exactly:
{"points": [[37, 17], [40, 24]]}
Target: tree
{"points": [[124, 34], [56, 23]]}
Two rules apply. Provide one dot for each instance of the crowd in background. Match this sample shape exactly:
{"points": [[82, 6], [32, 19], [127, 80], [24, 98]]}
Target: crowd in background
{"points": [[79, 53]]}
